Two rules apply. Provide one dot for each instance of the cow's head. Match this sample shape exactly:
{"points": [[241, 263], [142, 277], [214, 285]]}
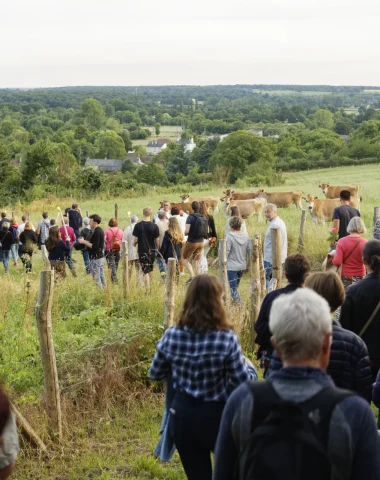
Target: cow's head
{"points": [[261, 193], [184, 197], [324, 187], [309, 199], [228, 192]]}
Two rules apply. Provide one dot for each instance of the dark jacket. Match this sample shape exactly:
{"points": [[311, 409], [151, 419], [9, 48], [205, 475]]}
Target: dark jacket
{"points": [[349, 364], [60, 250], [6, 239], [376, 391], [361, 300], [169, 249], [97, 241], [212, 229], [262, 322], [28, 240]]}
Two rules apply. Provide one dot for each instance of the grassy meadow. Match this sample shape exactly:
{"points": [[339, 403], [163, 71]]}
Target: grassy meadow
{"points": [[104, 343]]}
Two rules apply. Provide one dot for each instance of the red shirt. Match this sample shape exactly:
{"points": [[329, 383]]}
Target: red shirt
{"points": [[353, 266], [70, 233]]}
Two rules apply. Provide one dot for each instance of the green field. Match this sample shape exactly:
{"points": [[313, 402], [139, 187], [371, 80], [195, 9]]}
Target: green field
{"points": [[166, 131], [104, 344]]}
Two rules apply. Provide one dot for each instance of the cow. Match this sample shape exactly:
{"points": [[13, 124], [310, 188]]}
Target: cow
{"points": [[322, 209], [213, 202], [253, 206], [186, 207], [331, 191], [283, 199], [240, 195]]}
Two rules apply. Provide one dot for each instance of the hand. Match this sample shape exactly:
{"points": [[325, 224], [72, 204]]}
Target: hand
{"points": [[67, 239], [81, 240]]}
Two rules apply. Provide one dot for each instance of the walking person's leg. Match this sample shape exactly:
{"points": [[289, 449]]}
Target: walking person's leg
{"points": [[86, 260], [6, 256], [232, 280], [268, 272], [14, 248], [117, 261], [102, 277]]}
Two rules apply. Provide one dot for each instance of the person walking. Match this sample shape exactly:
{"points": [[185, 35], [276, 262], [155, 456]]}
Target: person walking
{"points": [[208, 242], [360, 312], [146, 236], [75, 219], [133, 257], [3, 219], [203, 356], [6, 240], [181, 216], [43, 229], [349, 252], [96, 250], [14, 247], [296, 270], [28, 240], [270, 211], [67, 231], [238, 249], [113, 238], [58, 250], [171, 246], [197, 230], [235, 212], [342, 216], [86, 233], [349, 364], [163, 225], [297, 423]]}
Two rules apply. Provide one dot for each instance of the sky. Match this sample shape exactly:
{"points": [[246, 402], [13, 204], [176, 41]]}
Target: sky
{"points": [[50, 43]]}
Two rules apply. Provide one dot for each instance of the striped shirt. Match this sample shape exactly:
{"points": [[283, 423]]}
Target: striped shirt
{"points": [[207, 366]]}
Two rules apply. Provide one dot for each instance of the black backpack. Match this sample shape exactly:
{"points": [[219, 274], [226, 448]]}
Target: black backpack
{"points": [[288, 440], [199, 229]]}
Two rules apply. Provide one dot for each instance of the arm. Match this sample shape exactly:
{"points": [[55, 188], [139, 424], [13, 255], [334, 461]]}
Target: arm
{"points": [[135, 241], [160, 367], [363, 373], [228, 245], [338, 257], [187, 228], [347, 314], [237, 369], [212, 227]]}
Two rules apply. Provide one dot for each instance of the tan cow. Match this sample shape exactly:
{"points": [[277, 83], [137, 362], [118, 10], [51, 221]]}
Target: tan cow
{"points": [[331, 191], [322, 209], [283, 199], [253, 206], [186, 207], [240, 195], [213, 202]]}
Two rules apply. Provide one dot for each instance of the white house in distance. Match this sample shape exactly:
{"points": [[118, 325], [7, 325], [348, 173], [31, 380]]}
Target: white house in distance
{"points": [[155, 146], [188, 143]]}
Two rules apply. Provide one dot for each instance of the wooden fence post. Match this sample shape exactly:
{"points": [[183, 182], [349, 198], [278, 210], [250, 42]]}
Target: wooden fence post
{"points": [[45, 257], [116, 211], [302, 230], [45, 336], [255, 282], [376, 214], [262, 269], [276, 256], [28, 215], [124, 260], [170, 293], [223, 267], [87, 213], [13, 214]]}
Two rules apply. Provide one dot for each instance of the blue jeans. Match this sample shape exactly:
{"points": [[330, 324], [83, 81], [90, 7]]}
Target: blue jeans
{"points": [[97, 271], [234, 280], [113, 259], [162, 266], [5, 255], [268, 272], [14, 251], [86, 259]]}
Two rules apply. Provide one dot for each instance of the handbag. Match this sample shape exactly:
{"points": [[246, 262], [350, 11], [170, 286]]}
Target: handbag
{"points": [[369, 321]]}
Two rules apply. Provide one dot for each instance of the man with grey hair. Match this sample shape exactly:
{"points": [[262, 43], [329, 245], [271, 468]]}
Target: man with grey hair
{"points": [[86, 233], [263, 422], [270, 211]]}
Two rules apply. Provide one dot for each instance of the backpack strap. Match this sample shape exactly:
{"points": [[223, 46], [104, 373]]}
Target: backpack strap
{"points": [[265, 396]]}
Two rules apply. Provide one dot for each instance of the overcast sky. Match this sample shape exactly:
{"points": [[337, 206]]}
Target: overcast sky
{"points": [[47, 43]]}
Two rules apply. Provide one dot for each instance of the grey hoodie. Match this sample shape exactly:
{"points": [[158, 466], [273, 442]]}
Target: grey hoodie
{"points": [[238, 245]]}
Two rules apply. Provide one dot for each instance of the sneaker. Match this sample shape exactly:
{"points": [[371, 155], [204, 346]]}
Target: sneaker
{"points": [[15, 263], [188, 281]]}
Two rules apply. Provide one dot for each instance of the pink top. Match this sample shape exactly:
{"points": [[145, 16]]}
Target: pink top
{"points": [[353, 266], [70, 233], [110, 233]]}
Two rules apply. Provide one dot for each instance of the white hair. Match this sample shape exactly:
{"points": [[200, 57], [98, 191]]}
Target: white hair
{"points": [[270, 206], [86, 221], [299, 323], [134, 219], [356, 225]]}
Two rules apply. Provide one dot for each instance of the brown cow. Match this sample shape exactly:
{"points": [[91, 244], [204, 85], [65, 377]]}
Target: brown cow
{"points": [[283, 199], [186, 207], [213, 202], [331, 191], [253, 206], [322, 209], [240, 195]]}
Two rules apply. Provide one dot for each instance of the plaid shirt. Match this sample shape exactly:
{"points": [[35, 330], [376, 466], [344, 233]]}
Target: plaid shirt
{"points": [[204, 365]]}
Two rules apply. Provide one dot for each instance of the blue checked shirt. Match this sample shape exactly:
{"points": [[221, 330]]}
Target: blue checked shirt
{"points": [[204, 365]]}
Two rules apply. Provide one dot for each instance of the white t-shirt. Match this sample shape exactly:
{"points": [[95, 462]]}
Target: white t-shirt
{"points": [[128, 236], [276, 223], [162, 227]]}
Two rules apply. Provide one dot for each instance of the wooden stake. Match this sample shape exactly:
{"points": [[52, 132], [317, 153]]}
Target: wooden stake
{"points": [[255, 282], [124, 260], [28, 215], [27, 431], [45, 257], [170, 293], [376, 214], [45, 336], [302, 230], [13, 214], [87, 213], [276, 256], [223, 267], [116, 211]]}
